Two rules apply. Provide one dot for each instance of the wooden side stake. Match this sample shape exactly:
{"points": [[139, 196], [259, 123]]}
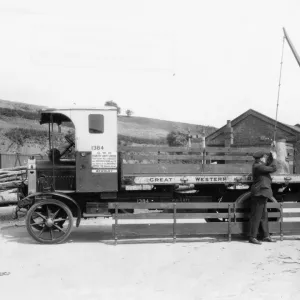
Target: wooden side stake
{"points": [[234, 213]]}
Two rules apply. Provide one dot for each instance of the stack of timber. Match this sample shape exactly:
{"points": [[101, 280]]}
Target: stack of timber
{"points": [[10, 180]]}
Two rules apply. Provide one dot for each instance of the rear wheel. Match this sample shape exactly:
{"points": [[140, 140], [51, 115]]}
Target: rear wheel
{"points": [[208, 220], [45, 219], [245, 200]]}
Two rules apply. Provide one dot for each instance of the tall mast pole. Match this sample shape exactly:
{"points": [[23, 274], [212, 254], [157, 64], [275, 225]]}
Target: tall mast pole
{"points": [[297, 57], [279, 85]]}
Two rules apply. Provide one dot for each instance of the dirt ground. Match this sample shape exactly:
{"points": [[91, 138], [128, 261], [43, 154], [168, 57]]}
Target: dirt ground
{"points": [[89, 265]]}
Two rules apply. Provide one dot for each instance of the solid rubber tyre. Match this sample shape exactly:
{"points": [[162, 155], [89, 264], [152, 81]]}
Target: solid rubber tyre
{"points": [[246, 198], [31, 228]]}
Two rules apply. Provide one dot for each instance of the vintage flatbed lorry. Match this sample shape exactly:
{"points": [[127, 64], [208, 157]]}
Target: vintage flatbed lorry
{"points": [[102, 172]]}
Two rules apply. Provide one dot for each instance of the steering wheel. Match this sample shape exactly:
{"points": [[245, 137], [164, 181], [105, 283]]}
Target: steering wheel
{"points": [[71, 144], [70, 141]]}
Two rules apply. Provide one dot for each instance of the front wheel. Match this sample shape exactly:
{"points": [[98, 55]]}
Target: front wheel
{"points": [[44, 221]]}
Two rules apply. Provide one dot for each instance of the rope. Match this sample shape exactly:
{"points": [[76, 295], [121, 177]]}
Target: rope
{"points": [[279, 85]]}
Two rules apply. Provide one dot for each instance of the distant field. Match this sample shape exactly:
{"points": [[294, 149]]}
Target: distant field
{"points": [[154, 128]]}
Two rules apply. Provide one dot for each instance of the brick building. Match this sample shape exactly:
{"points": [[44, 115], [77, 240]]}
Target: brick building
{"points": [[255, 129]]}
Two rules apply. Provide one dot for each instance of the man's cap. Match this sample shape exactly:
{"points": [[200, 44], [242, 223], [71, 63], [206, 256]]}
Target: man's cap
{"points": [[259, 154]]}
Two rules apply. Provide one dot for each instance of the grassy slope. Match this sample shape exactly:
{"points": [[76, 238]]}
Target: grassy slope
{"points": [[20, 106], [134, 129], [139, 126]]}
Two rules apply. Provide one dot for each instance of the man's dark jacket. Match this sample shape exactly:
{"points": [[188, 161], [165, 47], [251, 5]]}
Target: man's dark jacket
{"points": [[262, 180]]}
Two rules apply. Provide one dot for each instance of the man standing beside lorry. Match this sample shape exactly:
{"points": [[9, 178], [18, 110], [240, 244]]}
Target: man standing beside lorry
{"points": [[261, 191]]}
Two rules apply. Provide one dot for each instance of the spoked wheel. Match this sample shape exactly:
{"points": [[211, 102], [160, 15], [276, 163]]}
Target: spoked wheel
{"points": [[49, 221], [44, 210], [245, 199], [217, 211]]}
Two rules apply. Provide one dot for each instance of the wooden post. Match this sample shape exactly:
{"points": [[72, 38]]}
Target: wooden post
{"points": [[204, 161], [174, 223], [203, 147], [120, 169], [229, 222], [281, 222], [116, 224], [17, 159], [189, 143], [297, 155], [228, 134]]}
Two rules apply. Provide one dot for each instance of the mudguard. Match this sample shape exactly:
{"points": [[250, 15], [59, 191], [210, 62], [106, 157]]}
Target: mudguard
{"points": [[30, 200]]}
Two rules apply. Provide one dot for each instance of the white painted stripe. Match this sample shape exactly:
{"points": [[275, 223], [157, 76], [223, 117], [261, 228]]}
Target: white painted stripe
{"points": [[211, 179]]}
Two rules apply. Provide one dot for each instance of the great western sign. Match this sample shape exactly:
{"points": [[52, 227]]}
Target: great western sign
{"points": [[211, 179], [190, 179]]}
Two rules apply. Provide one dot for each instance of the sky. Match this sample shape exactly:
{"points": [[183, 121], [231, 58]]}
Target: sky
{"points": [[201, 62]]}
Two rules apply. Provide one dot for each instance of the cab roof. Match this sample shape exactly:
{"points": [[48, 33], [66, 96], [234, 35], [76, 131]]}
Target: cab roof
{"points": [[56, 114], [50, 109]]}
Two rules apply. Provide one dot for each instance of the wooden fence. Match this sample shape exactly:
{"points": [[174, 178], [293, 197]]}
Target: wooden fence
{"points": [[234, 219], [9, 160], [12, 160]]}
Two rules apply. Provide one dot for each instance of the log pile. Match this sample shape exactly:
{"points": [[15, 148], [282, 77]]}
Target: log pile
{"points": [[10, 179]]}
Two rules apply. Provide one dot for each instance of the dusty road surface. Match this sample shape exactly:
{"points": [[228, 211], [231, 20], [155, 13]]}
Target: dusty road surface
{"points": [[89, 266]]}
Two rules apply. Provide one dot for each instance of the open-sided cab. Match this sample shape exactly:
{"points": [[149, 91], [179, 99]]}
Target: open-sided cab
{"points": [[93, 168]]}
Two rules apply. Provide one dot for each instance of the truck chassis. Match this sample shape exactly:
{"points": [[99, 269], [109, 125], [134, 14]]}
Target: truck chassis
{"points": [[100, 173]]}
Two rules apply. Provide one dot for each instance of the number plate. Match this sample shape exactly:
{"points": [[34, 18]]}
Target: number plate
{"points": [[104, 171]]}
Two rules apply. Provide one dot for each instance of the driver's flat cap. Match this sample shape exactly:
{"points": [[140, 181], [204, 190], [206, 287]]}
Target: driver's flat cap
{"points": [[259, 154]]}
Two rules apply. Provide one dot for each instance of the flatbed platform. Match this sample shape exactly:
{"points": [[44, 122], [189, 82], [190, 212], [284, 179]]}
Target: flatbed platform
{"points": [[210, 165]]}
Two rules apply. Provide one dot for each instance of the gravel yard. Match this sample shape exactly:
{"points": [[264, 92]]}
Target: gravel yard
{"points": [[90, 266]]}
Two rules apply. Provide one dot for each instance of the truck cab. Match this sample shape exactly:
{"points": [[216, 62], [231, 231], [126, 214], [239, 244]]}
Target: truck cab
{"points": [[93, 169]]}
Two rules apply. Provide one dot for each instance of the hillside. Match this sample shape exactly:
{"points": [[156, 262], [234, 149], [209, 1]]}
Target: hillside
{"points": [[155, 129], [20, 129]]}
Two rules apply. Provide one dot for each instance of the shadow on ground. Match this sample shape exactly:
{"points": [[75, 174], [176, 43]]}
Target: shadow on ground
{"points": [[16, 232], [85, 234]]}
